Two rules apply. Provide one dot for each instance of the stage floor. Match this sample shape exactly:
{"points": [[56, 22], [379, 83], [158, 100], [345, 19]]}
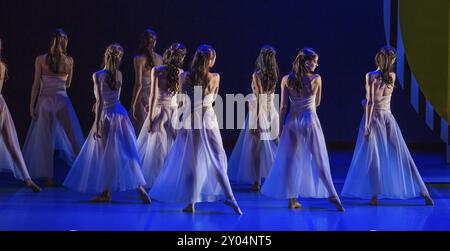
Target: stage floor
{"points": [[61, 209]]}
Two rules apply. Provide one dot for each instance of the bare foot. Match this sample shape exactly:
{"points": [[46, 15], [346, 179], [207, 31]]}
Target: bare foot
{"points": [[233, 204], [105, 197], [428, 200], [189, 208], [144, 195], [256, 187], [374, 201], [49, 182], [337, 203], [294, 204], [29, 183]]}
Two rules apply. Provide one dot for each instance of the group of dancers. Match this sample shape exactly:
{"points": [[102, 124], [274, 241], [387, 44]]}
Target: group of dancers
{"points": [[189, 164]]}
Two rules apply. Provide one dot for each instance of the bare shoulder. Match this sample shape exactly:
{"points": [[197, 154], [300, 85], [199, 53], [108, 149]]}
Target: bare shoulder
{"points": [[372, 74], [158, 56], [214, 79], [183, 74], [139, 59], [2, 70], [215, 76], [70, 60], [257, 74], [316, 81], [41, 58], [183, 77], [158, 69], [97, 74], [284, 80], [393, 75], [316, 78]]}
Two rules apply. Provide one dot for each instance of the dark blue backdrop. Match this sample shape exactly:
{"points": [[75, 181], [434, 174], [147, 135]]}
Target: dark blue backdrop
{"points": [[346, 35]]}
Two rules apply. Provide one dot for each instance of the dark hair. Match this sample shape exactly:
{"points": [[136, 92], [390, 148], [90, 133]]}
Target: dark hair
{"points": [[111, 62], [146, 46], [173, 59], [384, 60], [199, 68], [58, 48], [299, 69], [266, 64], [3, 62]]}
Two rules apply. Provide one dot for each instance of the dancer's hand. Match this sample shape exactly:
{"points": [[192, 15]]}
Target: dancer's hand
{"points": [[255, 132], [366, 135], [150, 126], [33, 114], [133, 111], [279, 132], [97, 132]]}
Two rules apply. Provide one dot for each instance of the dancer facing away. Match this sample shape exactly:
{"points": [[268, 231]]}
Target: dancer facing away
{"points": [[144, 61], [109, 159], [382, 165], [196, 168], [256, 147], [301, 166], [157, 135], [54, 125], [11, 158]]}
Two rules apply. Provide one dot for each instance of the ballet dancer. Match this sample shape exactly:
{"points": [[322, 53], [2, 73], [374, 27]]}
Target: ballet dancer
{"points": [[144, 61], [382, 165], [54, 124], [301, 166], [11, 158], [109, 160], [157, 134], [195, 169], [255, 150]]}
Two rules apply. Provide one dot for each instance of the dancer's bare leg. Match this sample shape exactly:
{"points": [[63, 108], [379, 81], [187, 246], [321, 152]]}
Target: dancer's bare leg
{"points": [[64, 117], [49, 182], [29, 183], [257, 185], [294, 204], [219, 160], [424, 191], [428, 200], [374, 201], [7, 134], [324, 173], [190, 208], [104, 197], [144, 195]]}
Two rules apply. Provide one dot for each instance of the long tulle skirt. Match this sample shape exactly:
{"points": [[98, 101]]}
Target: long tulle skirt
{"points": [[154, 146], [252, 156], [195, 166], [110, 163], [56, 128], [383, 165], [301, 165], [11, 159]]}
